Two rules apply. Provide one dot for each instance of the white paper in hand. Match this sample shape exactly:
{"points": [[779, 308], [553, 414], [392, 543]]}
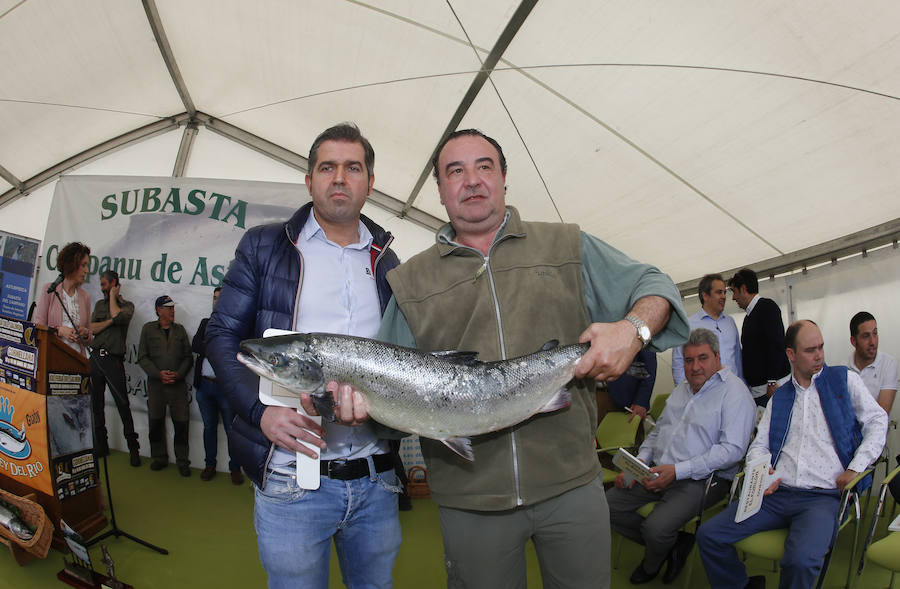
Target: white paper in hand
{"points": [[632, 466], [273, 394], [756, 480]]}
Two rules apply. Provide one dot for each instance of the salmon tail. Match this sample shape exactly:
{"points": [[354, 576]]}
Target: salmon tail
{"points": [[461, 446]]}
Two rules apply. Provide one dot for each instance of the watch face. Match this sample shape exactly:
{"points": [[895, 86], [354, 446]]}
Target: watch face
{"points": [[644, 332]]}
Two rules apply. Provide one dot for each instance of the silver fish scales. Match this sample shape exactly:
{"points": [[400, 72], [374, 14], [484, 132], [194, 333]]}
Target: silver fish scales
{"points": [[446, 396]]}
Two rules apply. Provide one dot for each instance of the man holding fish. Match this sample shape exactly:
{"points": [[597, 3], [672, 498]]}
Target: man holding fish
{"points": [[322, 270], [503, 287]]}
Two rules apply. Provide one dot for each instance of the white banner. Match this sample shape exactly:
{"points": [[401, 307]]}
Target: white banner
{"points": [[173, 236]]}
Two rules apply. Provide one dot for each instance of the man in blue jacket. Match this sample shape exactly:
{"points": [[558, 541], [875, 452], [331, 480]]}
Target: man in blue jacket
{"points": [[337, 260], [820, 429]]}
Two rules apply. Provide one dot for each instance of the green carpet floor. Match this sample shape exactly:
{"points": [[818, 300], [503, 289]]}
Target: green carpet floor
{"points": [[208, 529]]}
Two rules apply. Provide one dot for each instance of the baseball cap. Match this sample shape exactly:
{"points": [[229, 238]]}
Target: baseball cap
{"points": [[165, 301]]}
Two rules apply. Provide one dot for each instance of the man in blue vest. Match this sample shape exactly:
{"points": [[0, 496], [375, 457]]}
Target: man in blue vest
{"points": [[822, 428]]}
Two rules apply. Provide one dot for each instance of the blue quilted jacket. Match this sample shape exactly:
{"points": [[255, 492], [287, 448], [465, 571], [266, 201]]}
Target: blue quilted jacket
{"points": [[260, 291]]}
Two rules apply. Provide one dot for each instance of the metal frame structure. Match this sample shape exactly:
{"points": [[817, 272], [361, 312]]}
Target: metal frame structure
{"points": [[192, 118]]}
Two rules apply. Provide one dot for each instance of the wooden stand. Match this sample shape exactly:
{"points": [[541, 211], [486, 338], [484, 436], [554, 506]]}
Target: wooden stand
{"points": [[84, 511], [100, 580]]}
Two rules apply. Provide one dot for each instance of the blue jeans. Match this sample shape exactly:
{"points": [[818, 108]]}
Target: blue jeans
{"points": [[811, 516], [212, 403], [294, 528]]}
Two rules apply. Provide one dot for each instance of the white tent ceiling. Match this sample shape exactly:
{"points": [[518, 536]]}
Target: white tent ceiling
{"points": [[697, 135]]}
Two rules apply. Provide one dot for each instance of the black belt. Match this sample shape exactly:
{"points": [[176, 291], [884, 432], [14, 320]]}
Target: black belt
{"points": [[347, 470]]}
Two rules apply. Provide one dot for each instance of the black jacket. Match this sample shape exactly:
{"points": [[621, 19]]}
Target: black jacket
{"points": [[260, 291], [198, 345], [762, 344]]}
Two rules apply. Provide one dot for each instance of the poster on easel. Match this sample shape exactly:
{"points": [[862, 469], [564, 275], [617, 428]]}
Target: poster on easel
{"points": [[18, 258]]}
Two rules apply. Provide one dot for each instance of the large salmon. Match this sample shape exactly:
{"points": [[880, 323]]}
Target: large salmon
{"points": [[446, 396]]}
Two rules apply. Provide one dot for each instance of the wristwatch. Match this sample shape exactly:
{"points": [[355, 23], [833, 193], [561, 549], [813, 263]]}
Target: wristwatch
{"points": [[643, 332]]}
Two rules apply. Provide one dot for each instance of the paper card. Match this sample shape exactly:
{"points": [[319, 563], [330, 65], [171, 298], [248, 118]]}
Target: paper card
{"points": [[632, 466], [895, 525], [756, 480], [274, 394]]}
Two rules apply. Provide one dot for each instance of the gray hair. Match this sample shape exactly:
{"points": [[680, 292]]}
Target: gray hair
{"points": [[702, 336]]}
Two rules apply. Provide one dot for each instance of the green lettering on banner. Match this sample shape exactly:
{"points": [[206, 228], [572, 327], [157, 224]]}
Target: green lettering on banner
{"points": [[108, 204], [148, 201], [158, 269], [200, 270], [51, 255], [93, 264], [218, 273], [239, 211], [217, 208], [150, 195], [124, 206], [195, 200], [174, 273], [173, 199], [162, 270], [126, 268]]}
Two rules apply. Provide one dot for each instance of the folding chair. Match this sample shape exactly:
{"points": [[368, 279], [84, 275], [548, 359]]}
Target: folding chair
{"points": [[615, 432], [885, 552], [657, 406], [770, 543]]}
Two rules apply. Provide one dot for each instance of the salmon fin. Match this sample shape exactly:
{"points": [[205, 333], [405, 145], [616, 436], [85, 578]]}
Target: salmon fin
{"points": [[324, 404], [457, 357], [561, 400], [461, 446], [549, 345]]}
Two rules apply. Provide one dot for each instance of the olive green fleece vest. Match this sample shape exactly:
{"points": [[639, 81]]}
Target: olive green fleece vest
{"points": [[529, 292]]}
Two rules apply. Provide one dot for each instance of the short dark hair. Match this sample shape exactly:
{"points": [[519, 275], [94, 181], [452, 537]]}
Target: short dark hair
{"points": [[706, 285], [858, 320], [217, 289], [110, 275], [461, 133], [790, 336], [349, 133], [70, 256], [745, 277]]}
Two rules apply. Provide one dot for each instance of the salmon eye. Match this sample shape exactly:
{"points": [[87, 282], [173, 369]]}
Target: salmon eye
{"points": [[276, 359]]}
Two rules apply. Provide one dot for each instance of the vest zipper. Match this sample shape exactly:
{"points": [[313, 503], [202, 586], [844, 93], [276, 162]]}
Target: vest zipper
{"points": [[512, 432]]}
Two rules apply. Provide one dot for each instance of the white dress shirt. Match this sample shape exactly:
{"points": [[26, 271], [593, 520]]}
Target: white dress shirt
{"points": [[703, 432], [338, 294], [752, 304], [808, 458], [729, 343], [880, 375]]}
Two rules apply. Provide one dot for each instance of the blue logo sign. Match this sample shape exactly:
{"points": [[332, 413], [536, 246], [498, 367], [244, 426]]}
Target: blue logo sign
{"points": [[12, 440]]}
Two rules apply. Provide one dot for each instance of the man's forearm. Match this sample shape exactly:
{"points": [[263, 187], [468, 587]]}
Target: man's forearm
{"points": [[99, 326], [886, 400], [652, 310]]}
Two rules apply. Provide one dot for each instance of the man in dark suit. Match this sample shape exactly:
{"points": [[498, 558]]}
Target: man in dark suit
{"points": [[762, 337]]}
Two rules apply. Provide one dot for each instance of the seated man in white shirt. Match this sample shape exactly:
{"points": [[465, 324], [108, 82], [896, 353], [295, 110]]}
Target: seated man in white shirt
{"points": [[877, 369], [822, 428], [704, 428]]}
